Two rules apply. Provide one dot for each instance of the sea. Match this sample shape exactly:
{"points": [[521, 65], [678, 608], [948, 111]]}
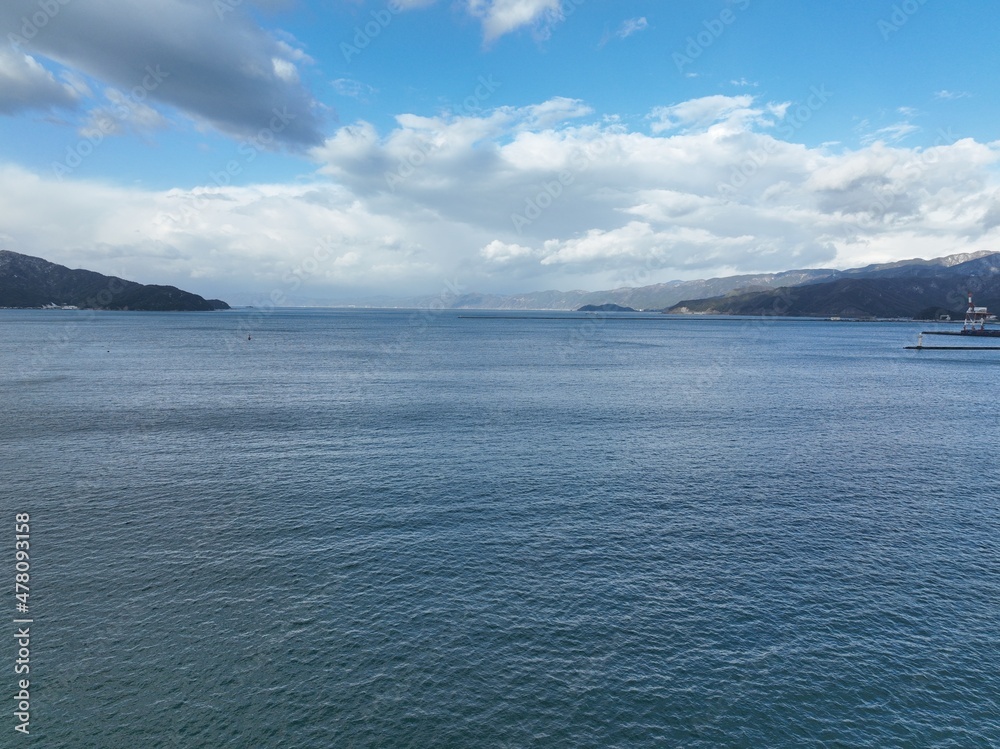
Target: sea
{"points": [[358, 528]]}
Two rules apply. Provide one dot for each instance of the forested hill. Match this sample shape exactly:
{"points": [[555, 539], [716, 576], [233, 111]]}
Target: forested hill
{"points": [[918, 289], [27, 281]]}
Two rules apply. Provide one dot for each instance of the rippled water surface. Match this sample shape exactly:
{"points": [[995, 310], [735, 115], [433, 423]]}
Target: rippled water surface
{"points": [[392, 529]]}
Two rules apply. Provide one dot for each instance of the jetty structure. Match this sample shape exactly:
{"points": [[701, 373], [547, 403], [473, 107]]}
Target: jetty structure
{"points": [[973, 327]]}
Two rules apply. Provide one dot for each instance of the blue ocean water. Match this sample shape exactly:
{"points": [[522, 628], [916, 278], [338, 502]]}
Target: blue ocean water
{"points": [[386, 528]]}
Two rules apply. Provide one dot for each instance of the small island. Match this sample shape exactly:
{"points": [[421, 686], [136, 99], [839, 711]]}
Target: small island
{"points": [[28, 282], [605, 308]]}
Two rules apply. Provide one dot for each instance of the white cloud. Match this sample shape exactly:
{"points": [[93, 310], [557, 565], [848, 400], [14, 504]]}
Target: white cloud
{"points": [[501, 17], [515, 199], [294, 239], [503, 253], [78, 84], [891, 133], [638, 244], [731, 112], [631, 26], [946, 94], [122, 114], [285, 70], [25, 84], [351, 88], [554, 111]]}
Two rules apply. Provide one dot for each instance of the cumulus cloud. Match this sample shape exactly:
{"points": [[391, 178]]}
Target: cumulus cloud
{"points": [[639, 244], [543, 196], [503, 253], [437, 155], [209, 61], [297, 240], [500, 17], [714, 187]]}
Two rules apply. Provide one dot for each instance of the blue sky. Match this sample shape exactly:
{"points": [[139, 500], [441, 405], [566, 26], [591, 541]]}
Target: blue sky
{"points": [[329, 151]]}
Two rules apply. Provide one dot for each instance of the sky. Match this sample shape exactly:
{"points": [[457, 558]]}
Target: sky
{"points": [[338, 151]]}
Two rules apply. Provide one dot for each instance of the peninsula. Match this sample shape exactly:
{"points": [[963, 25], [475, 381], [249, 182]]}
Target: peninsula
{"points": [[31, 282]]}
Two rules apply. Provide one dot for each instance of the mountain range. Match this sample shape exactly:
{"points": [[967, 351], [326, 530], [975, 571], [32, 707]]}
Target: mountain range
{"points": [[906, 288], [27, 281], [653, 297], [921, 289]]}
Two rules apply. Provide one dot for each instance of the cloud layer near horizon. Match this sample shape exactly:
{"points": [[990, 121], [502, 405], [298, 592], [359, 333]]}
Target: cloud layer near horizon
{"points": [[515, 199]]}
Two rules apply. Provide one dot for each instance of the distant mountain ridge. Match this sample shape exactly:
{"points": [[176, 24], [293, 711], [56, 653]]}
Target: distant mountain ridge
{"points": [[27, 281], [923, 289], [652, 297], [690, 294]]}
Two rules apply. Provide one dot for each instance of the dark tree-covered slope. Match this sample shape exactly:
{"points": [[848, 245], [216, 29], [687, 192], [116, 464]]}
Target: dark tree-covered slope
{"points": [[27, 281]]}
